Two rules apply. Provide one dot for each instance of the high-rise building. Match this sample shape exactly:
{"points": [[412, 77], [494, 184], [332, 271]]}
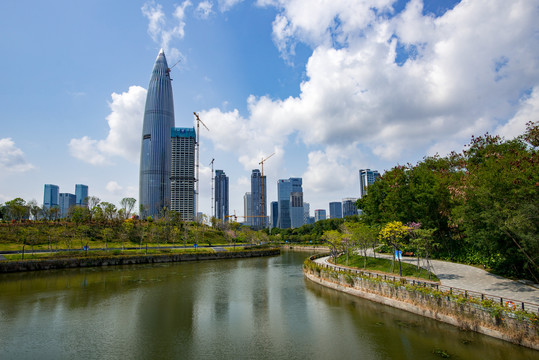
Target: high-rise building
{"points": [[349, 207], [155, 155], [50, 196], [274, 213], [285, 188], [221, 195], [81, 194], [258, 200], [247, 209], [65, 202], [182, 179], [306, 212], [319, 214], [366, 178], [296, 209], [335, 210]]}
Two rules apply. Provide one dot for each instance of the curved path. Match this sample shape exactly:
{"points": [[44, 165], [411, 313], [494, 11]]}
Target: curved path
{"points": [[470, 278]]}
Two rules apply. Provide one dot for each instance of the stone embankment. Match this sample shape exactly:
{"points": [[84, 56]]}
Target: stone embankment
{"points": [[49, 264], [311, 248], [483, 316]]}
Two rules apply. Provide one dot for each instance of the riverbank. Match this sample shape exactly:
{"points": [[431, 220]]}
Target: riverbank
{"points": [[483, 316], [309, 248], [114, 260]]}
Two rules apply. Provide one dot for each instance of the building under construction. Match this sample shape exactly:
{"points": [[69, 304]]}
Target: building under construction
{"points": [[182, 179]]}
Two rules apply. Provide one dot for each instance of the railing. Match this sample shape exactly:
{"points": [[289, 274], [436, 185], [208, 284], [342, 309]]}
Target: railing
{"points": [[512, 303]]}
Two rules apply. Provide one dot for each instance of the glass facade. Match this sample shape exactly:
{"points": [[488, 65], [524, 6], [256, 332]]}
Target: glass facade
{"points": [[335, 210], [349, 207], [155, 157], [221, 195], [66, 201], [285, 189], [366, 178], [81, 194], [50, 196], [319, 214], [247, 209]]}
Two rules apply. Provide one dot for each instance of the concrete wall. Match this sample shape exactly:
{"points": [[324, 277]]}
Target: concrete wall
{"points": [[32, 265], [514, 327]]}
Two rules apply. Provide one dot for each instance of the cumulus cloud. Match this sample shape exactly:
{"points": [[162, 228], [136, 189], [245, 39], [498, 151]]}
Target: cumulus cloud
{"points": [[528, 111], [162, 33], [225, 5], [12, 158], [125, 128], [204, 9], [398, 84]]}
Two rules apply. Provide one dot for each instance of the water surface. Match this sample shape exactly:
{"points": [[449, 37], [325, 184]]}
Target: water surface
{"points": [[229, 309]]}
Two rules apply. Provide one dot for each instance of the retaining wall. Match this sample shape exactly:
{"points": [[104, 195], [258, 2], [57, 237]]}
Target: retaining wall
{"points": [[49, 264], [467, 315]]}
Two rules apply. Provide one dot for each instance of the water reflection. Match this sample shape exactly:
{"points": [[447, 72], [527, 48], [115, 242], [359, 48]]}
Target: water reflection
{"points": [[232, 309]]}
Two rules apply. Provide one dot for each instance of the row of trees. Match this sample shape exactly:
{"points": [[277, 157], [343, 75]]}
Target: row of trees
{"points": [[483, 202]]}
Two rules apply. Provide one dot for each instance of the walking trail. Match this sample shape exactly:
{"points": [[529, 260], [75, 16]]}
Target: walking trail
{"points": [[470, 278]]}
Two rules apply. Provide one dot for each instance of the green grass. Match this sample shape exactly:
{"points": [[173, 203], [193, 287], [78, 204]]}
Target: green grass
{"points": [[384, 266], [96, 253]]}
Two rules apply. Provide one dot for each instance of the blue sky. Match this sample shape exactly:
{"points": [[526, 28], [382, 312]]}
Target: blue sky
{"points": [[329, 86]]}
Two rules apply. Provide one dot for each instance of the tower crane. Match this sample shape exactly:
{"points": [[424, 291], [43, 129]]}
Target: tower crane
{"points": [[197, 160], [264, 191]]}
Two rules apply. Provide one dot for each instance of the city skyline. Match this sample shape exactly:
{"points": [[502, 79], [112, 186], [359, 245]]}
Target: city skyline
{"points": [[329, 93]]}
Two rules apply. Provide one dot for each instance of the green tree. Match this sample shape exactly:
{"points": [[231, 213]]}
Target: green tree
{"points": [[333, 238], [393, 234], [127, 205], [363, 235]]}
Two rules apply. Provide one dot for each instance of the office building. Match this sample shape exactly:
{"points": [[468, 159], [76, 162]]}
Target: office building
{"points": [[247, 209], [349, 207], [258, 200], [274, 209], [319, 214], [81, 195], [366, 178], [285, 188], [335, 210], [182, 179], [155, 155], [65, 202], [221, 195], [306, 212], [50, 196]]}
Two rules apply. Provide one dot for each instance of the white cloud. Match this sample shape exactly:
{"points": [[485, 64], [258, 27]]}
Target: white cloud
{"points": [[225, 5], [204, 9], [12, 158], [125, 129], [158, 29], [528, 111], [464, 74], [114, 188]]}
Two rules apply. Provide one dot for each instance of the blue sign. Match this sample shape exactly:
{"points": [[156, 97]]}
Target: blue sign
{"points": [[398, 254]]}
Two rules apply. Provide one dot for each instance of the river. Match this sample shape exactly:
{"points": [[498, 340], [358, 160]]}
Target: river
{"points": [[260, 308]]}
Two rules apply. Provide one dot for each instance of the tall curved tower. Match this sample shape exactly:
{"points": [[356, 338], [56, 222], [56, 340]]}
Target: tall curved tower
{"points": [[155, 155]]}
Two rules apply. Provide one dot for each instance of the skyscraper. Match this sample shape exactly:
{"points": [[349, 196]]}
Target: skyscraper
{"points": [[66, 201], [335, 210], [349, 207], [274, 213], [319, 214], [285, 188], [258, 200], [306, 212], [81, 194], [296, 209], [366, 178], [50, 196], [182, 179], [221, 195], [155, 155], [247, 209]]}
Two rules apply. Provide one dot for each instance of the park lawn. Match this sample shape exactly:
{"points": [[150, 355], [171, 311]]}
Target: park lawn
{"points": [[97, 253], [384, 266]]}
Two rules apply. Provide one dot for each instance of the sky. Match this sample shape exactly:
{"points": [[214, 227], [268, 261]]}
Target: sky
{"points": [[329, 86]]}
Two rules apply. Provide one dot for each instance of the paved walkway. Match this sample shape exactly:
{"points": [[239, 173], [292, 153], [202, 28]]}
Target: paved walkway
{"points": [[474, 279]]}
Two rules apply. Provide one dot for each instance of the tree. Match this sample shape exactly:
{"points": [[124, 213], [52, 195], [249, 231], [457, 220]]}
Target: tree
{"points": [[35, 210], [333, 238], [363, 235], [393, 234], [127, 204], [17, 209]]}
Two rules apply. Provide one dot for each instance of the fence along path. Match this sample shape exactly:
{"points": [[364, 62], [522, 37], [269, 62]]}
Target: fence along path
{"points": [[464, 279]]}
